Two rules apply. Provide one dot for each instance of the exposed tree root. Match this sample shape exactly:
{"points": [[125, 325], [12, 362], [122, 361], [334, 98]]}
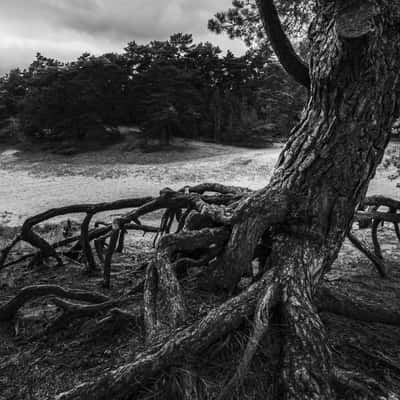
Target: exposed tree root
{"points": [[366, 387], [217, 232], [162, 273], [267, 209], [378, 357], [110, 251], [335, 300], [72, 311], [377, 261], [261, 325], [117, 318], [215, 187], [150, 302], [127, 380], [8, 310], [5, 252], [216, 207], [94, 234], [306, 357], [172, 292], [374, 232], [369, 215]]}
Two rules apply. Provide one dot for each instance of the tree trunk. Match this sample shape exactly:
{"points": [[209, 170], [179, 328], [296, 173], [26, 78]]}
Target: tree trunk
{"points": [[216, 113], [325, 170]]}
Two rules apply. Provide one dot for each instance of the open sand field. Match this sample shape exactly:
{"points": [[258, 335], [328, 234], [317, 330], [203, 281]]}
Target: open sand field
{"points": [[33, 182]]}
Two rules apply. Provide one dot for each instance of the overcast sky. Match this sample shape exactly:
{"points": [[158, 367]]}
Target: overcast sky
{"points": [[64, 29]]}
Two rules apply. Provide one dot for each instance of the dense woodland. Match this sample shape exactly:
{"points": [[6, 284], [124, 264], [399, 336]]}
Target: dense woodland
{"points": [[168, 88]]}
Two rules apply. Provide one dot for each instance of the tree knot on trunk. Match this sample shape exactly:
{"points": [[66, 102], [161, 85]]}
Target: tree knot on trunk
{"points": [[355, 18]]}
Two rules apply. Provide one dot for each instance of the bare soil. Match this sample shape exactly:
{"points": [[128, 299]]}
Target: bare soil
{"points": [[31, 182]]}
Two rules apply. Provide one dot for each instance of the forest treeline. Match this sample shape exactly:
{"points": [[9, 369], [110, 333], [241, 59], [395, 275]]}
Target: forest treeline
{"points": [[167, 88]]}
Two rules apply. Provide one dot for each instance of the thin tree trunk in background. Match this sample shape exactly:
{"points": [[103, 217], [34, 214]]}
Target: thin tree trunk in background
{"points": [[216, 112]]}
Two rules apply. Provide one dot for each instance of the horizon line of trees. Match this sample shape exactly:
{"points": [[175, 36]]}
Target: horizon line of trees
{"points": [[168, 88]]}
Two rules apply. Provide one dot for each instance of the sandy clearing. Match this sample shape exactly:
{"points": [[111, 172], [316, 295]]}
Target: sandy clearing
{"points": [[33, 183]]}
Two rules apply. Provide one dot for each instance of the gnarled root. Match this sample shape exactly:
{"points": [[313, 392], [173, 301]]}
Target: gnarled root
{"points": [[212, 228], [306, 358], [261, 324], [366, 387], [127, 380], [254, 215], [216, 206], [73, 311], [337, 300], [162, 273], [305, 364], [377, 261], [370, 214], [8, 310]]}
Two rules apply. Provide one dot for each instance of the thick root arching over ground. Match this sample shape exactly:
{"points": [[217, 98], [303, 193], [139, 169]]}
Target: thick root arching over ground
{"points": [[184, 320]]}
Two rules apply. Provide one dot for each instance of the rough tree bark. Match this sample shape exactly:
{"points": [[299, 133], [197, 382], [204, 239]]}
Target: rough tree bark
{"points": [[307, 208], [327, 164], [325, 169]]}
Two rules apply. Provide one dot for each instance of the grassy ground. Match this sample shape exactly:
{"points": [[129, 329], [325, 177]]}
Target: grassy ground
{"points": [[131, 151], [36, 365]]}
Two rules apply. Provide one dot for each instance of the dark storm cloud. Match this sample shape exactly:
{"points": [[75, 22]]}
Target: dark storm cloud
{"points": [[65, 28]]}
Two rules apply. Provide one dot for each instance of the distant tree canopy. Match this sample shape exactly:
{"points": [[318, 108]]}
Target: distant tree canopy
{"points": [[243, 20], [169, 88]]}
